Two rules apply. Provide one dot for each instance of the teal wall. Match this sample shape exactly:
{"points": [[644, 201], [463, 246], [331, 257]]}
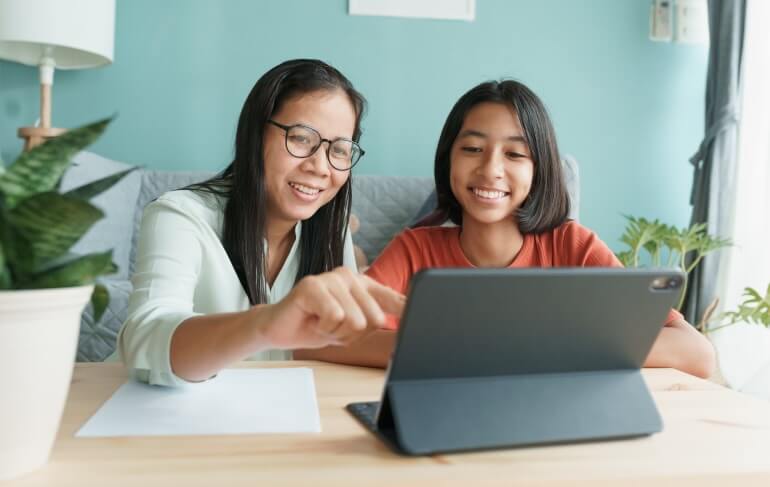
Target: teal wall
{"points": [[630, 110]]}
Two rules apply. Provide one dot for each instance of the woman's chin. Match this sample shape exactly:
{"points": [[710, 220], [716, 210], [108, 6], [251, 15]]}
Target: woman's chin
{"points": [[300, 212]]}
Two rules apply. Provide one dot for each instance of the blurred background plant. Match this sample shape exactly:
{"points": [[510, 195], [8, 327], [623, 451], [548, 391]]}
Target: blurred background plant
{"points": [[754, 308]]}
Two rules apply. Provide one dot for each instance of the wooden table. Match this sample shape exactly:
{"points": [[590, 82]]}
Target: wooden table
{"points": [[712, 436]]}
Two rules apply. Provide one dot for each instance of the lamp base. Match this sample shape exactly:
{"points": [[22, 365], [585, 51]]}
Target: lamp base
{"points": [[34, 136]]}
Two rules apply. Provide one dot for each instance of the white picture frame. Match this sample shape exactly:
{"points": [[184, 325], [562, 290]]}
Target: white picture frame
{"points": [[422, 9]]}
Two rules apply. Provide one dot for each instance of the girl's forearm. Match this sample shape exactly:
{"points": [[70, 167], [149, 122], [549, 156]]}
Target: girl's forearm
{"points": [[682, 347], [373, 350]]}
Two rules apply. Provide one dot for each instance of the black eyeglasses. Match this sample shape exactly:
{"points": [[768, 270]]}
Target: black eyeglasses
{"points": [[302, 141]]}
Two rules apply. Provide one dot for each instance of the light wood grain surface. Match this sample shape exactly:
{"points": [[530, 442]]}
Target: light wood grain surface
{"points": [[712, 436]]}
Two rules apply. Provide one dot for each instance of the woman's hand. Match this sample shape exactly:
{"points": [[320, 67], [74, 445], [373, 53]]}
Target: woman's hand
{"points": [[333, 308]]}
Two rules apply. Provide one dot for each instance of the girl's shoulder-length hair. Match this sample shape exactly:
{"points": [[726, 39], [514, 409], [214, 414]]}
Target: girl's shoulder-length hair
{"points": [[547, 206]]}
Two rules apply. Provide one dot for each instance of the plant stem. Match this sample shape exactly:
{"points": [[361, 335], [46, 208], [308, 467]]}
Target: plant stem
{"points": [[694, 264], [671, 257], [684, 292]]}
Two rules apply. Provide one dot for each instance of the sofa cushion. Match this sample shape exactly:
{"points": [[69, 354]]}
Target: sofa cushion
{"points": [[385, 206], [572, 180], [97, 339]]}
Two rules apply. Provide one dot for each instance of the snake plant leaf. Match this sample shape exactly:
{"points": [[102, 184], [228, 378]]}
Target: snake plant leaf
{"points": [[78, 272], [40, 169], [99, 300], [52, 223], [18, 251], [88, 191]]}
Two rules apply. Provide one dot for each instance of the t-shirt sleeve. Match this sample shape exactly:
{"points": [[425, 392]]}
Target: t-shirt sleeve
{"points": [[393, 268], [167, 268], [583, 248]]}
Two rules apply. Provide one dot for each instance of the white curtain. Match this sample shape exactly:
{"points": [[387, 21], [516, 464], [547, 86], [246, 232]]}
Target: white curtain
{"points": [[745, 350]]}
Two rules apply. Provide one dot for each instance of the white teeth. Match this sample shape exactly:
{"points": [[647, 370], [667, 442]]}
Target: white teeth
{"points": [[491, 195], [305, 189]]}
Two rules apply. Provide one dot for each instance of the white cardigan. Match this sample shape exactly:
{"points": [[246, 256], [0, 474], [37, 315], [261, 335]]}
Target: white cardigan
{"points": [[182, 271]]}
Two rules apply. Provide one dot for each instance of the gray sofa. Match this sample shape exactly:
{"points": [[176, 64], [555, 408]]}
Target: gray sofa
{"points": [[384, 205]]}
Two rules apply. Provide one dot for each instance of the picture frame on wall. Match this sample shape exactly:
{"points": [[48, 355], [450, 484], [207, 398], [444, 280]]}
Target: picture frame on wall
{"points": [[423, 9]]}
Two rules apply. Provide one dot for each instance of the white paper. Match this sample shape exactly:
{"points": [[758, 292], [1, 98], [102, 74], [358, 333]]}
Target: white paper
{"points": [[237, 401]]}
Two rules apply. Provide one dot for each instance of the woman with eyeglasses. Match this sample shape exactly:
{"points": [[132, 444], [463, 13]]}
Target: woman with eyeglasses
{"points": [[258, 260]]}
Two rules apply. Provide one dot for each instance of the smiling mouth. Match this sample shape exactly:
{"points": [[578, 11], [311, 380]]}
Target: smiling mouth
{"points": [[490, 194], [308, 190]]}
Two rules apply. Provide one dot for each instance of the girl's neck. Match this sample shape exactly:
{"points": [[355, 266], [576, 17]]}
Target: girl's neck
{"points": [[490, 245]]}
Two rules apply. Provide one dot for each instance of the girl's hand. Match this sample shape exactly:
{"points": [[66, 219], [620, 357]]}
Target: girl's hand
{"points": [[333, 308]]}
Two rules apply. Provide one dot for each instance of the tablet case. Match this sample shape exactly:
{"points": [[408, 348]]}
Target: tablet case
{"points": [[490, 358]]}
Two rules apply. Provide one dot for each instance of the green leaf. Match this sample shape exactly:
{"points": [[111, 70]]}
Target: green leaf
{"points": [[754, 308], [639, 234], [99, 300], [18, 251], [39, 169], [78, 272], [52, 223], [626, 258], [88, 191]]}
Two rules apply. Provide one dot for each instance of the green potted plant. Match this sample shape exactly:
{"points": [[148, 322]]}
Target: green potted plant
{"points": [[667, 245], [43, 291]]}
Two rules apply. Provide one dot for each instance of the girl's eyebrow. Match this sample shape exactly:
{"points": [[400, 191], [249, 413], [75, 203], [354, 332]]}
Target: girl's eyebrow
{"points": [[476, 133]]}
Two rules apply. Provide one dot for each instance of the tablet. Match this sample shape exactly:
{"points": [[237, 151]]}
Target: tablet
{"points": [[491, 358]]}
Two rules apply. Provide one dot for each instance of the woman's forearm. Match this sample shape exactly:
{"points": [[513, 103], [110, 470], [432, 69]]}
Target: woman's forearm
{"points": [[373, 350], [682, 347], [203, 345]]}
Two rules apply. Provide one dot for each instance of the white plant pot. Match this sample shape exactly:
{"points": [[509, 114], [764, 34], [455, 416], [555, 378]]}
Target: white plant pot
{"points": [[743, 352], [38, 341]]}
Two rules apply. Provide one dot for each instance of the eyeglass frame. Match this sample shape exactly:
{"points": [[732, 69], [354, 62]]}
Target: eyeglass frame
{"points": [[286, 129]]}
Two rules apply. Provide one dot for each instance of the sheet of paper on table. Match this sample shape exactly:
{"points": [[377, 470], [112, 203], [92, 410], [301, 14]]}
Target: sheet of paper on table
{"points": [[237, 401]]}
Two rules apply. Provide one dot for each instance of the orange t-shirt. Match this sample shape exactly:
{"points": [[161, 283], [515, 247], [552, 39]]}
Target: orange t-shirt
{"points": [[568, 245]]}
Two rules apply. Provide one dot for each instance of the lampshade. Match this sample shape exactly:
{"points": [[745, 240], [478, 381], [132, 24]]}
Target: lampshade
{"points": [[74, 33]]}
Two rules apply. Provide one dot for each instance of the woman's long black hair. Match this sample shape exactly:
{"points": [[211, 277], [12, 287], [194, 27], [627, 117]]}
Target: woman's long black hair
{"points": [[243, 181]]}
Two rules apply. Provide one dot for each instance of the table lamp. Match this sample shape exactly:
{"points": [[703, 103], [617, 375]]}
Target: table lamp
{"points": [[64, 34]]}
